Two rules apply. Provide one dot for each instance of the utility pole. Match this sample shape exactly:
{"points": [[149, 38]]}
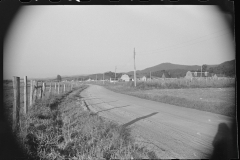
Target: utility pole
{"points": [[150, 76], [201, 70], [96, 77], [103, 78], [115, 72], [134, 69]]}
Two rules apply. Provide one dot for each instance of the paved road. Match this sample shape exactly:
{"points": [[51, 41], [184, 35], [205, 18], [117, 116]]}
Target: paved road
{"points": [[174, 132]]}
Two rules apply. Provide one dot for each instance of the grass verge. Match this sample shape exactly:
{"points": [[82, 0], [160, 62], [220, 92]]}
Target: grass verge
{"points": [[58, 127]]}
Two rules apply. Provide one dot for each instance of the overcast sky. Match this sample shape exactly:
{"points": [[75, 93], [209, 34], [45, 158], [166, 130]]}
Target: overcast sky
{"points": [[45, 41]]}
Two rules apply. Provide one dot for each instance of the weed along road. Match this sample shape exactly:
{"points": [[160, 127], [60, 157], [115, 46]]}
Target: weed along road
{"points": [[172, 131]]}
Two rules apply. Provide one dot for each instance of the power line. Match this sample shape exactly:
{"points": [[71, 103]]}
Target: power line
{"points": [[184, 42], [172, 47], [127, 63], [190, 40]]}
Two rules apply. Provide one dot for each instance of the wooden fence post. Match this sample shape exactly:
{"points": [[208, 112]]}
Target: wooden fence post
{"points": [[35, 90], [16, 103], [50, 87], [40, 93], [31, 92], [43, 88], [25, 95], [55, 87], [58, 87]]}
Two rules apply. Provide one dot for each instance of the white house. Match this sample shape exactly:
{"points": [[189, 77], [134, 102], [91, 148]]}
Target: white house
{"points": [[144, 78], [125, 77]]}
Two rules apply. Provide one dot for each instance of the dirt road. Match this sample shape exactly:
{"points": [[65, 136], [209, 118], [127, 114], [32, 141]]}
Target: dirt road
{"points": [[175, 132]]}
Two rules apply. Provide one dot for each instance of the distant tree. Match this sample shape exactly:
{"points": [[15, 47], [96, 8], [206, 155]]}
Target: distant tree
{"points": [[59, 78], [204, 67], [210, 70]]}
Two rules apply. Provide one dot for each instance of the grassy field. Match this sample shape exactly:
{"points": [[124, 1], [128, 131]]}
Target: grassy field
{"points": [[184, 83], [58, 127], [215, 100]]}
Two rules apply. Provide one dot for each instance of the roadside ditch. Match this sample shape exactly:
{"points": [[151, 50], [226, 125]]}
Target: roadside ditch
{"points": [[63, 127]]}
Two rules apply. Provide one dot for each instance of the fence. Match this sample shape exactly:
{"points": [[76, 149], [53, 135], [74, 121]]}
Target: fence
{"points": [[38, 90]]}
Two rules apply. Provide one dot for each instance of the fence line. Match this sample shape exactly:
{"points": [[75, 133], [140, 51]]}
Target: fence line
{"points": [[25, 95], [16, 103], [33, 95]]}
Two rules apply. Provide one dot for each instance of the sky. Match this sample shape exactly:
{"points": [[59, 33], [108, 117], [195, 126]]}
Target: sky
{"points": [[46, 41]]}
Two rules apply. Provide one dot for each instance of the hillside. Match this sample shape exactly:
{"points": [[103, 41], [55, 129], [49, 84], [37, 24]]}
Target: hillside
{"points": [[169, 66], [226, 68], [176, 70], [107, 75], [170, 71]]}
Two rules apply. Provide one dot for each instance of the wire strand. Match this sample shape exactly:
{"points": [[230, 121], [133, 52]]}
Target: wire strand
{"points": [[172, 48], [181, 43]]}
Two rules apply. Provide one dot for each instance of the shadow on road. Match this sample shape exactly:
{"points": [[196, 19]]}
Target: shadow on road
{"points": [[110, 109], [104, 102], [89, 98], [138, 119], [224, 143]]}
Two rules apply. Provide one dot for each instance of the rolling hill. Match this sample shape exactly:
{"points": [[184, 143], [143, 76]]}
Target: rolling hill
{"points": [[169, 66], [176, 70], [226, 68], [170, 70]]}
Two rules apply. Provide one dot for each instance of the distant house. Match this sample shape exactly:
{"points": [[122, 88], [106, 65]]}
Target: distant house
{"points": [[201, 74], [125, 78], [163, 76], [144, 78], [215, 77], [190, 74]]}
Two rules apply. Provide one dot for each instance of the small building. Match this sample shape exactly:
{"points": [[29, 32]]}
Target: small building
{"points": [[189, 75], [201, 74], [125, 78], [163, 76], [215, 77], [144, 78]]}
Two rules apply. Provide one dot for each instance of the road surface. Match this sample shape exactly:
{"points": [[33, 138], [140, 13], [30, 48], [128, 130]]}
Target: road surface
{"points": [[173, 131]]}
